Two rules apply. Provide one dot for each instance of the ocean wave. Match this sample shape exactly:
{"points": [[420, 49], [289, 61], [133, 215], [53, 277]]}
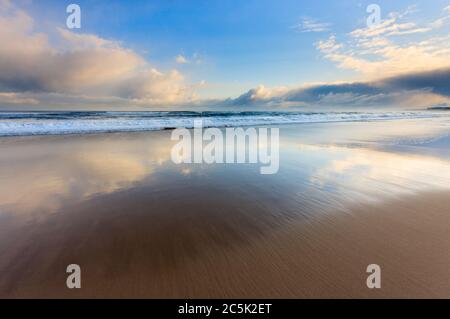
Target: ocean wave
{"points": [[58, 123]]}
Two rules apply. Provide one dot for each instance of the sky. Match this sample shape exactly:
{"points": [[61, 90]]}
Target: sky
{"points": [[208, 54]]}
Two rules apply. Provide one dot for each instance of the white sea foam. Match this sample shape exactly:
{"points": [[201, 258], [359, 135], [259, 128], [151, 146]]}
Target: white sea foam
{"points": [[58, 123]]}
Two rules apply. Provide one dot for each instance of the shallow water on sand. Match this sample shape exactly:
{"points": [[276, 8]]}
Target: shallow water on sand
{"points": [[139, 225]]}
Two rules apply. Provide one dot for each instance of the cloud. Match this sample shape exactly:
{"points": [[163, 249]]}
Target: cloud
{"points": [[392, 26], [438, 81], [153, 87], [81, 64], [329, 46], [418, 90], [372, 50], [67, 70], [260, 93], [370, 58], [194, 58], [439, 23], [181, 59], [389, 27], [311, 25], [16, 99]]}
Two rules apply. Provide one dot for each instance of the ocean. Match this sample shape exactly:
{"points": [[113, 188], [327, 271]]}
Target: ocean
{"points": [[60, 123]]}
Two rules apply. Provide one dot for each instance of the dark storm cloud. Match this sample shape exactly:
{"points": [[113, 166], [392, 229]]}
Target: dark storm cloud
{"points": [[380, 92]]}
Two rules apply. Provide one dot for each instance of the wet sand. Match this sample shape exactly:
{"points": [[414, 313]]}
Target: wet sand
{"points": [[140, 226]]}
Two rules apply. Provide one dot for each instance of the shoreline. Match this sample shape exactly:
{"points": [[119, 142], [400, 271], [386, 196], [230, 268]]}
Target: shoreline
{"points": [[85, 123]]}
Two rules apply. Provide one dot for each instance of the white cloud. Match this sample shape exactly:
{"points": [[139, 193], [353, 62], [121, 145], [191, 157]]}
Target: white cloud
{"points": [[82, 64], [181, 59], [389, 27], [393, 26], [329, 46], [311, 25], [439, 23], [375, 52]]}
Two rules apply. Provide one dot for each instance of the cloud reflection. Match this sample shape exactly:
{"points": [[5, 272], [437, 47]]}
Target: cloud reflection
{"points": [[373, 174], [41, 175]]}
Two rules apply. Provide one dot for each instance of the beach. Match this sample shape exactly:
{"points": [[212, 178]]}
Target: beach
{"points": [[346, 195]]}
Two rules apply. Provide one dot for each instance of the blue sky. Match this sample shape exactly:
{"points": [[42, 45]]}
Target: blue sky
{"points": [[233, 46]]}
